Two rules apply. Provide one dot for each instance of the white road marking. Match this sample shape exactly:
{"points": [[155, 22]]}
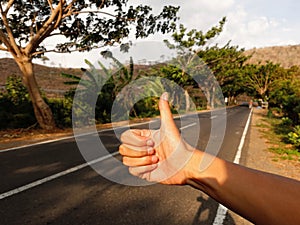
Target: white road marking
{"points": [[187, 126], [239, 152], [54, 176], [222, 210], [65, 172], [71, 170]]}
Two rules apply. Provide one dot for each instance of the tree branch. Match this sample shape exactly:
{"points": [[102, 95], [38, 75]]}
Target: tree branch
{"points": [[101, 12], [58, 20], [9, 4], [45, 30], [68, 8], [50, 5], [102, 3], [31, 27], [10, 42], [70, 51]]}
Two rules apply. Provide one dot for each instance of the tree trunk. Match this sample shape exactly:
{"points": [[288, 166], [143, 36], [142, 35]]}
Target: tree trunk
{"points": [[212, 101], [42, 111], [187, 101]]}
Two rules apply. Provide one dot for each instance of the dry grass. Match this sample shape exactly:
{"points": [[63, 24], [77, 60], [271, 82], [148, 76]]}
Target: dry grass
{"points": [[286, 56]]}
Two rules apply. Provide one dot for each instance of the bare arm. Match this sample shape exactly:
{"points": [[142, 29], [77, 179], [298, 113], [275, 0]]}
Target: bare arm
{"points": [[260, 197]]}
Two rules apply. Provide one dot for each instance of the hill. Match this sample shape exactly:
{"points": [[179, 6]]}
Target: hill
{"points": [[286, 56], [51, 81], [48, 78]]}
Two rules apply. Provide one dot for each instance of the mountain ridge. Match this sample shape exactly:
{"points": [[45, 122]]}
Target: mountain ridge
{"points": [[286, 56]]}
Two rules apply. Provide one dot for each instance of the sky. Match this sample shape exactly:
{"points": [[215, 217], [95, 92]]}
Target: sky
{"points": [[250, 24]]}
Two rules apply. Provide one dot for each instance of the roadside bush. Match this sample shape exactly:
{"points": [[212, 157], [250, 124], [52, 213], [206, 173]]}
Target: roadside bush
{"points": [[294, 137], [16, 91], [286, 122], [147, 107], [62, 111], [286, 96], [16, 110]]}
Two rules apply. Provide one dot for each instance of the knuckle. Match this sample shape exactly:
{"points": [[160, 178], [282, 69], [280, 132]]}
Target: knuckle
{"points": [[147, 160]]}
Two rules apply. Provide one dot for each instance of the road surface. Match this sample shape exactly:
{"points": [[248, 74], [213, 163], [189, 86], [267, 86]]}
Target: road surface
{"points": [[83, 196]]}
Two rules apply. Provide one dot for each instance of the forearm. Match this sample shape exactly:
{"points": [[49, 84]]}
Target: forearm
{"points": [[260, 197]]}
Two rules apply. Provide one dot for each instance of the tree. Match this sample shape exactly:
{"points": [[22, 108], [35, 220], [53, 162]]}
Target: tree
{"points": [[226, 63], [260, 79], [24, 26], [188, 45], [285, 94]]}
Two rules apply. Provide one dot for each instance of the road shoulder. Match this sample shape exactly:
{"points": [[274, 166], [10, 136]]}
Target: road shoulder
{"points": [[257, 156]]}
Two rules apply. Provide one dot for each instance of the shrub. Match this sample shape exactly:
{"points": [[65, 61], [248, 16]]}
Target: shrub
{"points": [[285, 121], [16, 110], [16, 91], [62, 111], [294, 136]]}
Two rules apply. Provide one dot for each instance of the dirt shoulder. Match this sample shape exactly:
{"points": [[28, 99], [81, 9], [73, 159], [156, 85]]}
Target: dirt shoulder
{"points": [[259, 157]]}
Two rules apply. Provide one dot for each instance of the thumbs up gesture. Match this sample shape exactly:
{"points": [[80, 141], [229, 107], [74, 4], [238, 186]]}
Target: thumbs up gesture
{"points": [[158, 155]]}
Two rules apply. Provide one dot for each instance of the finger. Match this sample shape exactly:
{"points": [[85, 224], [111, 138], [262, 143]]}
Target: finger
{"points": [[139, 171], [167, 121], [132, 151], [141, 161], [135, 137]]}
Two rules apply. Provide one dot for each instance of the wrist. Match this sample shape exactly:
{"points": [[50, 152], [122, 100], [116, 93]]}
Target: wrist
{"points": [[192, 170], [205, 172]]}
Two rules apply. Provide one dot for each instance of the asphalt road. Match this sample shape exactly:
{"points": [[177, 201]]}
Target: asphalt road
{"points": [[85, 197]]}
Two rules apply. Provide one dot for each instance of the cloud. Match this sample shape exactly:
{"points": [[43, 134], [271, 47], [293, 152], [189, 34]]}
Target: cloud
{"points": [[258, 26], [249, 27]]}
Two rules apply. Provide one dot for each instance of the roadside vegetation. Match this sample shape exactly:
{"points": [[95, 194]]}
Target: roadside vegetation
{"points": [[281, 137]]}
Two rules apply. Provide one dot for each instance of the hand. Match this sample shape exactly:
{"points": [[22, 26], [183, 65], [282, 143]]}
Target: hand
{"points": [[158, 155]]}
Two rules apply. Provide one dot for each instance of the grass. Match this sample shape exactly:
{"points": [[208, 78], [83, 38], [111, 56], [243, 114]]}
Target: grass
{"points": [[275, 132]]}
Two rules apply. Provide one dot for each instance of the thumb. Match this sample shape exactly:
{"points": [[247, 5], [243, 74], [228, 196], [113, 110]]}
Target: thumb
{"points": [[167, 121]]}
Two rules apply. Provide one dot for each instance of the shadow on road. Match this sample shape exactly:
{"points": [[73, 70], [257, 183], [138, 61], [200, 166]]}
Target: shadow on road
{"points": [[207, 210]]}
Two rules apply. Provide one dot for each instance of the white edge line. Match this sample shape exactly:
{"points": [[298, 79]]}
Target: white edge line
{"points": [[239, 152], [54, 176], [222, 210], [187, 126]]}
